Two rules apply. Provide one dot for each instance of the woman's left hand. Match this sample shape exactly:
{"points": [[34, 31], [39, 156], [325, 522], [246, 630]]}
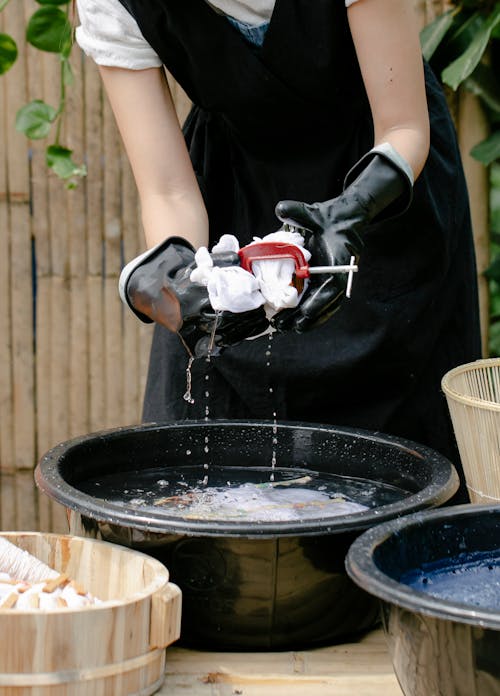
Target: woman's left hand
{"points": [[381, 189]]}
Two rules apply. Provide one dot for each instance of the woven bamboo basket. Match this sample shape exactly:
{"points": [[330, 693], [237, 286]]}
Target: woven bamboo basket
{"points": [[111, 649], [473, 395]]}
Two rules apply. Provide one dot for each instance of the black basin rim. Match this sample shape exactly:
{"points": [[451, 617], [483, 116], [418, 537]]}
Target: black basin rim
{"points": [[362, 569], [52, 484]]}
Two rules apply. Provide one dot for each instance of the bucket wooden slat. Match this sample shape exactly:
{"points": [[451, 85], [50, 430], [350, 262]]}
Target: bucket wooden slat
{"points": [[103, 649]]}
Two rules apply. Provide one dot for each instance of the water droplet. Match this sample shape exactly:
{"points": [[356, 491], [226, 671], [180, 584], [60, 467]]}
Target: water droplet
{"points": [[187, 395]]}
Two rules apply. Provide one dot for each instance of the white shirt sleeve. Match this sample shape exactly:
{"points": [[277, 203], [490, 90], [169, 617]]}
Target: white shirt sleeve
{"points": [[348, 3], [109, 34]]}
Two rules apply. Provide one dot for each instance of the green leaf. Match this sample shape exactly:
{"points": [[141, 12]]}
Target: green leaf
{"points": [[3, 4], [60, 161], [35, 119], [432, 35], [484, 84], [8, 52], [464, 65], [49, 30], [465, 30], [493, 272], [487, 151]]}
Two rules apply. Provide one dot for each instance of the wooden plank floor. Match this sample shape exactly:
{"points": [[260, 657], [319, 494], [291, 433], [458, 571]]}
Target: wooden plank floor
{"points": [[352, 669]]}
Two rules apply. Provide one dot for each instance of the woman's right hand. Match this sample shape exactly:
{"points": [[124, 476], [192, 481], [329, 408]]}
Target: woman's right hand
{"points": [[157, 287]]}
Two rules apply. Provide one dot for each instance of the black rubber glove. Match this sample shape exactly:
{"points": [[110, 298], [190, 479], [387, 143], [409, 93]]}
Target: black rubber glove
{"points": [[380, 190], [157, 287]]}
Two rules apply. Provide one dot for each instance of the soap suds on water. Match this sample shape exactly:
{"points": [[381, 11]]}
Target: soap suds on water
{"points": [[243, 493]]}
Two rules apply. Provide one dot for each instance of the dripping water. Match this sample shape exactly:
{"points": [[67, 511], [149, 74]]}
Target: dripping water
{"points": [[208, 360], [274, 441], [188, 395]]}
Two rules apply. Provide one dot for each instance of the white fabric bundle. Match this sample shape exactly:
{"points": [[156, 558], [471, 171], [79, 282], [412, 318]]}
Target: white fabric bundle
{"points": [[15, 594], [28, 583], [233, 289]]}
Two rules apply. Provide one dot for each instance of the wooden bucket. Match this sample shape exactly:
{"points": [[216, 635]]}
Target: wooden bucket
{"points": [[473, 395], [104, 650]]}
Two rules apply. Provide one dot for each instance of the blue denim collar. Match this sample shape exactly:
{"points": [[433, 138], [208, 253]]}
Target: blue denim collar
{"points": [[254, 34]]}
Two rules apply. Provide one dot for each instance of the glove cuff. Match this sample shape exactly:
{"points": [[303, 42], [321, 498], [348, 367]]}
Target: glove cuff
{"points": [[139, 261], [399, 164]]}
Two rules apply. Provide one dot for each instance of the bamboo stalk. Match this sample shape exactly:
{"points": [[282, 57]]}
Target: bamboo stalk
{"points": [[20, 255], [112, 266], [133, 243], [472, 128], [79, 328], [6, 386], [94, 239]]}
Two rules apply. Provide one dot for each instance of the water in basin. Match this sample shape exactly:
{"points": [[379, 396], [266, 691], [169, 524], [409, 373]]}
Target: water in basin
{"points": [[242, 493]]}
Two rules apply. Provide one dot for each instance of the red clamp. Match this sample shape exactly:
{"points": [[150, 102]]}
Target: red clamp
{"points": [[264, 251], [261, 251]]}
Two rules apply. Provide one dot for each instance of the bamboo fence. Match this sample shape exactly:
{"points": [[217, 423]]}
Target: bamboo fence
{"points": [[72, 361]]}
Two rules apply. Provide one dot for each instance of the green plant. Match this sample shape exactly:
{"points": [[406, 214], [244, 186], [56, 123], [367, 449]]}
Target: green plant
{"points": [[463, 47], [48, 29], [494, 269]]}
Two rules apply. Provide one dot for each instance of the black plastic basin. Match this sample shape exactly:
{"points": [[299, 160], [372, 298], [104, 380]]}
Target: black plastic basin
{"points": [[248, 585], [437, 574]]}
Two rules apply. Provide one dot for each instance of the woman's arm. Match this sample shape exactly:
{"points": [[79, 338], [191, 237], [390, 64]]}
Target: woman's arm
{"points": [[385, 35], [171, 201]]}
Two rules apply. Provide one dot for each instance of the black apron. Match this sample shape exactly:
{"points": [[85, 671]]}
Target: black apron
{"points": [[287, 121]]}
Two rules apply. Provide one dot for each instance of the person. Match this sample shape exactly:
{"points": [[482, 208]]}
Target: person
{"points": [[322, 116]]}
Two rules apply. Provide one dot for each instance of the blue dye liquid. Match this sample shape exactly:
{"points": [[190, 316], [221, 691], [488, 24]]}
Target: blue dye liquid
{"points": [[468, 578]]}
